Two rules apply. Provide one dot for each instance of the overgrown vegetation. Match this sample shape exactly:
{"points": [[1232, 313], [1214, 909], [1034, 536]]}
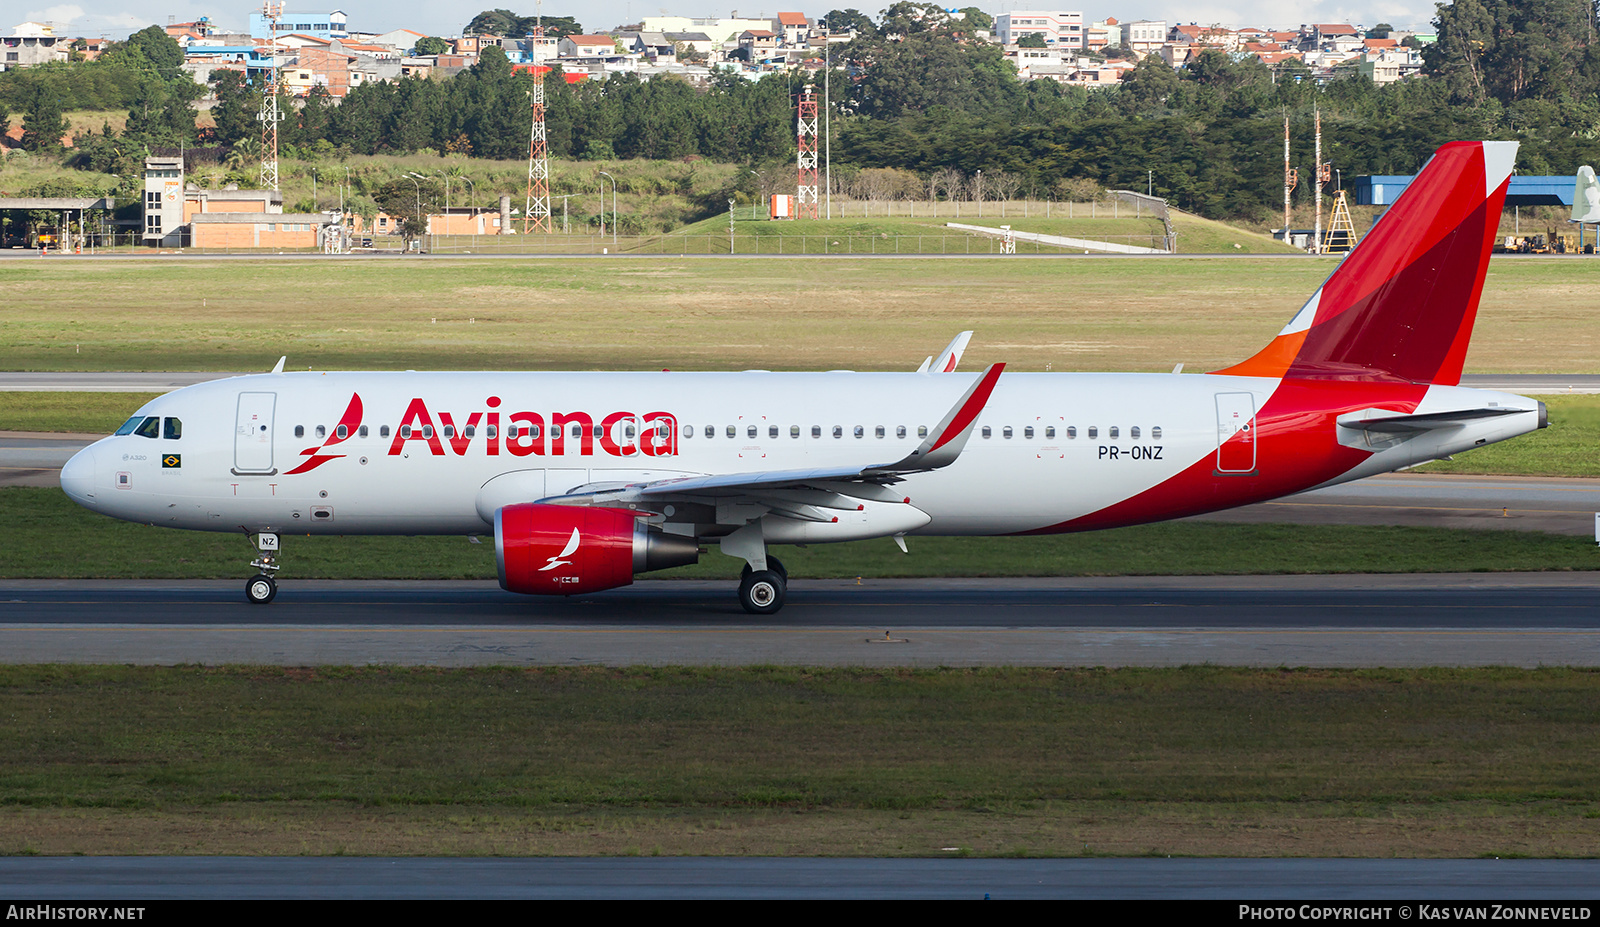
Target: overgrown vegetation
{"points": [[590, 760]]}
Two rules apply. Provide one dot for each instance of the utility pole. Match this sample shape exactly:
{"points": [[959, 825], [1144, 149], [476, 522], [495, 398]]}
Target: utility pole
{"points": [[1289, 179], [1318, 180]]}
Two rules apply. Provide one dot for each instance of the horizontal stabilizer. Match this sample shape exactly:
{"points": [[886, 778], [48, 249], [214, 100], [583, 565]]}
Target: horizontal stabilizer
{"points": [[1386, 420]]}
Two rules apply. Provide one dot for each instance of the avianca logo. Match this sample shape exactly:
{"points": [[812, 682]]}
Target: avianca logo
{"points": [[523, 434], [557, 561], [348, 422], [519, 434]]}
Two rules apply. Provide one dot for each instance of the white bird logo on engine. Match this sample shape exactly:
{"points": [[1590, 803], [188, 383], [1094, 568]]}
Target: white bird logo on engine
{"points": [[572, 545]]}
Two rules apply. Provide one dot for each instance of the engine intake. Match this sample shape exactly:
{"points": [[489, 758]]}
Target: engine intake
{"points": [[567, 550]]}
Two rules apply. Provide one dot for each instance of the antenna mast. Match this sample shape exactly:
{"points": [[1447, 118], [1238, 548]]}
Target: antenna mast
{"points": [[806, 202], [1290, 177], [269, 115], [536, 211]]}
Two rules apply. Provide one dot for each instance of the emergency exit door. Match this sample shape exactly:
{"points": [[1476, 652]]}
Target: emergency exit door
{"points": [[1236, 433], [252, 434]]}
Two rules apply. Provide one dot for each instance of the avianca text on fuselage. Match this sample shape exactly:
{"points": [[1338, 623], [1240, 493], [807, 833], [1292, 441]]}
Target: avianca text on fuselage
{"points": [[518, 434]]}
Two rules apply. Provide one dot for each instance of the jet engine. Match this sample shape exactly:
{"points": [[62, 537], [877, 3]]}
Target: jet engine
{"points": [[567, 550]]}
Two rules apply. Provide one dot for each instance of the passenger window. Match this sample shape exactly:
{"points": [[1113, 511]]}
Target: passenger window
{"points": [[1006, 431], [299, 431], [733, 431], [711, 431], [794, 431], [1133, 432], [151, 428], [986, 432], [922, 431], [322, 431], [860, 432], [1050, 431], [900, 431], [1094, 431], [471, 431], [816, 431], [1156, 433], [342, 432], [362, 431], [129, 425], [405, 431], [838, 431], [663, 430], [750, 431], [599, 431], [1027, 432], [627, 432], [688, 431], [172, 429], [489, 431], [772, 431], [513, 430], [383, 432], [427, 431], [878, 432], [1072, 431], [577, 431], [1113, 432]]}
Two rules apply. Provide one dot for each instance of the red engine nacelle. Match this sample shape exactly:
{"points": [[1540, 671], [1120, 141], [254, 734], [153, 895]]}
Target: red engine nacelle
{"points": [[566, 550]]}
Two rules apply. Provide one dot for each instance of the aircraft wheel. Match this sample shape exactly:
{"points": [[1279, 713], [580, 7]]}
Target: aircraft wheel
{"points": [[776, 566], [761, 592], [260, 589]]}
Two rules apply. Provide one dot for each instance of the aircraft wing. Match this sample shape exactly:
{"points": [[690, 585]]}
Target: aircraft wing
{"points": [[940, 448]]}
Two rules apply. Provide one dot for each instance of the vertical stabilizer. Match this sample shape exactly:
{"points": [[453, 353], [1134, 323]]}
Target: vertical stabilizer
{"points": [[1401, 305]]}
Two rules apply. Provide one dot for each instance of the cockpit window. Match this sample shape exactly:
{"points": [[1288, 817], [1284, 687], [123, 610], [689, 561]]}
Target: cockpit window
{"points": [[151, 428], [129, 425], [173, 429]]}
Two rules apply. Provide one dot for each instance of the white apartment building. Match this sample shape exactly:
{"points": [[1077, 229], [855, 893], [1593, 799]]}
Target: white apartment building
{"points": [[1146, 35], [1060, 30]]}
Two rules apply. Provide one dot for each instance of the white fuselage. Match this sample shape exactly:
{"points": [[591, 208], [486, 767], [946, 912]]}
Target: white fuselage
{"points": [[263, 453]]}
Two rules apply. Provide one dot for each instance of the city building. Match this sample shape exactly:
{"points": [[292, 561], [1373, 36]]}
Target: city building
{"points": [[1057, 28], [332, 25], [30, 44]]}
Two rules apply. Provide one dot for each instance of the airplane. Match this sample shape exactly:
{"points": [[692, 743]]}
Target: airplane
{"points": [[586, 479]]}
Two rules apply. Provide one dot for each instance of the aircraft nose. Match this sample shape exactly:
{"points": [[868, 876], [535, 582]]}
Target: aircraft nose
{"points": [[77, 477]]}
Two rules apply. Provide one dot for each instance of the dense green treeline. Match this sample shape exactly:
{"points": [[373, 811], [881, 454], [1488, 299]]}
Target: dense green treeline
{"points": [[919, 94]]}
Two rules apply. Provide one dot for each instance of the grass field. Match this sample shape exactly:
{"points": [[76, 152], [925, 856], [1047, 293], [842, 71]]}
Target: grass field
{"points": [[45, 535], [699, 314], [769, 761]]}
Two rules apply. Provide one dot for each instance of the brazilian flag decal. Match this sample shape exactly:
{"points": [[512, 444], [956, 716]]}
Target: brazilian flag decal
{"points": [[172, 462]]}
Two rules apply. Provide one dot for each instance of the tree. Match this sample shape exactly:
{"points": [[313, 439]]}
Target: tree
{"points": [[851, 20], [505, 22], [978, 19], [236, 107], [43, 125], [431, 45], [1032, 40], [1380, 31], [1150, 84]]}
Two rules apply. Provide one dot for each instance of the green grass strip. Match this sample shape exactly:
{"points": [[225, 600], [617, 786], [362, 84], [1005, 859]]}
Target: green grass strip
{"points": [[741, 738]]}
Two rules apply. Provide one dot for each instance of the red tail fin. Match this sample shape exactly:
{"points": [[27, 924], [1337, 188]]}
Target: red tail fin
{"points": [[1401, 305]]}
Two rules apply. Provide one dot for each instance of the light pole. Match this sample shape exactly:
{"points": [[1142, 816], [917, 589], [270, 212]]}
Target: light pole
{"points": [[1150, 184], [613, 207], [763, 182], [977, 192], [472, 209], [419, 203]]}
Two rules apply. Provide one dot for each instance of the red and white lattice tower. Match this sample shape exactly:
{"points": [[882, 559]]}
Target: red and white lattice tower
{"points": [[269, 116], [536, 213], [806, 202]]}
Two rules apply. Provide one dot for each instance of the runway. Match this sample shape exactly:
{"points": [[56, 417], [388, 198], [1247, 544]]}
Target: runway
{"points": [[1401, 882], [1520, 619]]}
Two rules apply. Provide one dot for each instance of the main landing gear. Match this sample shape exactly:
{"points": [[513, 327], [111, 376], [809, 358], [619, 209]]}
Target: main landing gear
{"points": [[262, 588], [762, 592]]}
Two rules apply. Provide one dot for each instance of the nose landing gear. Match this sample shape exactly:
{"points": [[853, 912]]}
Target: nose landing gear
{"points": [[262, 588]]}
